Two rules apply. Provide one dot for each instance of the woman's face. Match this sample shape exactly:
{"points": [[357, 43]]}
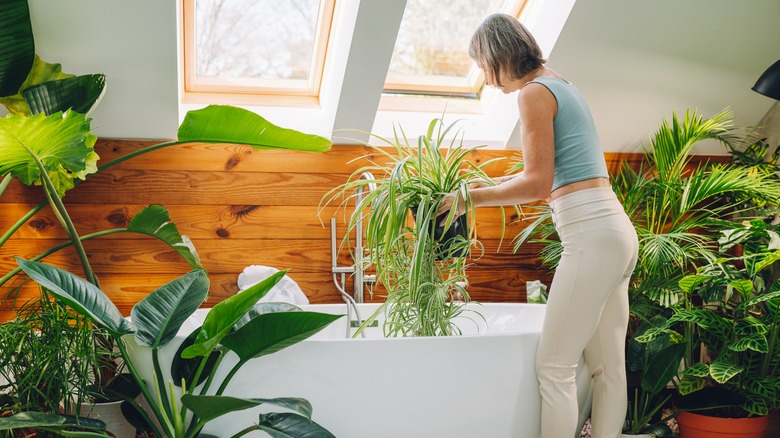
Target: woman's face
{"points": [[507, 85]]}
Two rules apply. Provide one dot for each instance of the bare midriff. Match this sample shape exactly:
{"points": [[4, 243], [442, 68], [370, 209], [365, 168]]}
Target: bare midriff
{"points": [[592, 183]]}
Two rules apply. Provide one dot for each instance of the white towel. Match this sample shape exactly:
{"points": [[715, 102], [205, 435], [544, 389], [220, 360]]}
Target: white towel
{"points": [[285, 291]]}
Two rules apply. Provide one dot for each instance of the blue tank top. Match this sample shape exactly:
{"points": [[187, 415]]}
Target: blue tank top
{"points": [[578, 154]]}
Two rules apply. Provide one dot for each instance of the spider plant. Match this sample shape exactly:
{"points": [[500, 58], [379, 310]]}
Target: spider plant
{"points": [[418, 267]]}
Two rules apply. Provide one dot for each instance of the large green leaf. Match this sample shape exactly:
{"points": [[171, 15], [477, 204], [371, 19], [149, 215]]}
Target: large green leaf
{"points": [[271, 332], [17, 45], [222, 317], [662, 368], [155, 221], [81, 295], [209, 407], [185, 369], [39, 73], [24, 420], [160, 314], [755, 341], [80, 93], [287, 425], [227, 124], [722, 370], [699, 369], [690, 384], [62, 141]]}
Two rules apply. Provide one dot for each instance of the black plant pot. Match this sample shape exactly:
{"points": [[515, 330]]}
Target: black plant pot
{"points": [[458, 231]]}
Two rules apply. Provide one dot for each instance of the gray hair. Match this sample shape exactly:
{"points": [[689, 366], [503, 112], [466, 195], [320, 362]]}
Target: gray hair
{"points": [[501, 44]]}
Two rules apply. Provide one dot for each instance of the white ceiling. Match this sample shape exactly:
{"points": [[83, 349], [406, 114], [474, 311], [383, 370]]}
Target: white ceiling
{"points": [[635, 61]]}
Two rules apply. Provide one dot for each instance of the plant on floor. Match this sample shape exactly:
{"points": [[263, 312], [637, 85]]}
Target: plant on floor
{"points": [[47, 354], [419, 263], [651, 367], [731, 311], [156, 320]]}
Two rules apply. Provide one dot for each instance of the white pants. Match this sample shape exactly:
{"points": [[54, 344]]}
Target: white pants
{"points": [[587, 312]]}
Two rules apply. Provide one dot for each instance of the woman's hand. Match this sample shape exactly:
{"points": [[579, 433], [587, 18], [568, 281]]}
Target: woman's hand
{"points": [[451, 201]]}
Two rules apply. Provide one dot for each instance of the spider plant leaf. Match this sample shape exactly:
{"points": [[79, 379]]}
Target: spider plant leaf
{"points": [[271, 332], [62, 141], [160, 314], [17, 45], [80, 93], [40, 72], [289, 425], [222, 317], [228, 124], [81, 295], [155, 221], [209, 407]]}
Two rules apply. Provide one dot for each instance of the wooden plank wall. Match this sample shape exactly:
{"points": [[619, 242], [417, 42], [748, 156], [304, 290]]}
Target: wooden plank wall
{"points": [[240, 207]]}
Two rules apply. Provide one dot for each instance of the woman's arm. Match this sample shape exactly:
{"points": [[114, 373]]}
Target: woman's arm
{"points": [[537, 107]]}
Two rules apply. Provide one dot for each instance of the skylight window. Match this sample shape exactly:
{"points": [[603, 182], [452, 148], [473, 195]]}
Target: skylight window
{"points": [[431, 52], [255, 47]]}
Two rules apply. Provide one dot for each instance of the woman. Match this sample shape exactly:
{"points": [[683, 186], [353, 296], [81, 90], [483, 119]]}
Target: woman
{"points": [[587, 309]]}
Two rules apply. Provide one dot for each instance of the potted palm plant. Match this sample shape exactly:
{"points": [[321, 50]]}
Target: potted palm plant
{"points": [[418, 258]]}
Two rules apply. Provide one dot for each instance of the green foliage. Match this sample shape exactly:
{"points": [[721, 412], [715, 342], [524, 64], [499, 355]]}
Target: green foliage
{"points": [[46, 355], [159, 317], [737, 323], [418, 264]]}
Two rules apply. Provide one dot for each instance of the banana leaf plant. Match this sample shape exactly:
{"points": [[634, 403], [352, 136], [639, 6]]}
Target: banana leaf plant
{"points": [[155, 322]]}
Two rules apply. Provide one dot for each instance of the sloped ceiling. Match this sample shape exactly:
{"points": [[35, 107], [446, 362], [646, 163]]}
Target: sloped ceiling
{"points": [[635, 61], [638, 61]]}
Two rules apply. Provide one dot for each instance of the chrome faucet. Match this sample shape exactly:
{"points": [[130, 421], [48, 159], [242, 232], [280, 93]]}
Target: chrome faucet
{"points": [[360, 279]]}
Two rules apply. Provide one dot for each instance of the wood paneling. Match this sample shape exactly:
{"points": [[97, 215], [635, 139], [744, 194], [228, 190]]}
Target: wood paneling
{"points": [[240, 207]]}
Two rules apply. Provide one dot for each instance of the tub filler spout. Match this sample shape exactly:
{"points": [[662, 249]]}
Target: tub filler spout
{"points": [[359, 277]]}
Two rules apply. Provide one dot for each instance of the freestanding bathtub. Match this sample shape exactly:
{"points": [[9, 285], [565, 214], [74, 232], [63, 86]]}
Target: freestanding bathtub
{"points": [[480, 384]]}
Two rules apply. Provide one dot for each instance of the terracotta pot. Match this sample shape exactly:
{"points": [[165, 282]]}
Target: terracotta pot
{"points": [[111, 414], [701, 426]]}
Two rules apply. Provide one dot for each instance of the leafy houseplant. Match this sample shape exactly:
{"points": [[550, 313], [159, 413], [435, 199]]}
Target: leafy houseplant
{"points": [[655, 364], [46, 352], [155, 322], [736, 324], [419, 265]]}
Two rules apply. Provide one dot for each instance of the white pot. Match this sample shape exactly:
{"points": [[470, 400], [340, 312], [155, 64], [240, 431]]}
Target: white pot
{"points": [[111, 414], [641, 435]]}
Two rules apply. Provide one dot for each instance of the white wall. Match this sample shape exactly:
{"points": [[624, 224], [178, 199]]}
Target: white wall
{"points": [[133, 43], [635, 60]]}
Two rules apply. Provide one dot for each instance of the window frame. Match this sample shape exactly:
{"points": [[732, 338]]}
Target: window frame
{"points": [[254, 91], [436, 92]]}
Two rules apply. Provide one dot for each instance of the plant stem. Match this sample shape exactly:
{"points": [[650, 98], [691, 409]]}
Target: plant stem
{"points": [[5, 182], [22, 221], [62, 215], [230, 376], [111, 163], [245, 431], [152, 404], [116, 161], [50, 251], [158, 373]]}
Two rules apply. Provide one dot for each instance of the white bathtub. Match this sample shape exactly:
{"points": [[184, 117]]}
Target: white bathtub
{"points": [[478, 385]]}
